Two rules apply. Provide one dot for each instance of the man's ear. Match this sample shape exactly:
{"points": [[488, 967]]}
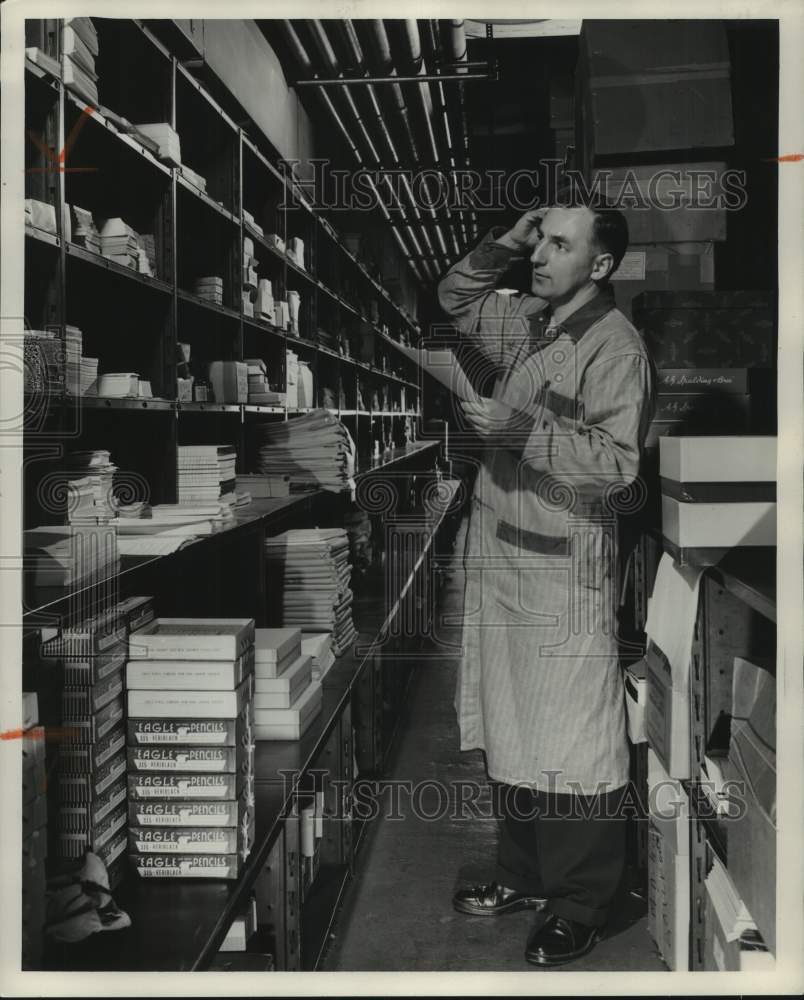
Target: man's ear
{"points": [[602, 267]]}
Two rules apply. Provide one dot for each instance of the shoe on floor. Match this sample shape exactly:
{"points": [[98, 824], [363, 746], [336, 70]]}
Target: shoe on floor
{"points": [[489, 899], [556, 941]]}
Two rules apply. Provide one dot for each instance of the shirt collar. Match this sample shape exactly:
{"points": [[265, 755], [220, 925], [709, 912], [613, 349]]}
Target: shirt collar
{"points": [[577, 323]]}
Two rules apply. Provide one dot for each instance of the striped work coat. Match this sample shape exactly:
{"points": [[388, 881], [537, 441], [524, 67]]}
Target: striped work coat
{"points": [[540, 687]]}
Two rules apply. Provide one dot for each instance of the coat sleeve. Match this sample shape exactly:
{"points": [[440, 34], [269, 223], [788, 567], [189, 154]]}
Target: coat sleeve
{"points": [[602, 448], [495, 323]]}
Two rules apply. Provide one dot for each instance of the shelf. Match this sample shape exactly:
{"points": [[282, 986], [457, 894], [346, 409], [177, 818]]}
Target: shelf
{"points": [[128, 138], [263, 326], [194, 300], [49, 239], [104, 264], [254, 408], [123, 403], [196, 407], [205, 199]]}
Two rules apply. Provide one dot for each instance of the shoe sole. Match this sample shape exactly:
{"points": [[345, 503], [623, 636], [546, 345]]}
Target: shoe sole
{"points": [[545, 961], [528, 903]]}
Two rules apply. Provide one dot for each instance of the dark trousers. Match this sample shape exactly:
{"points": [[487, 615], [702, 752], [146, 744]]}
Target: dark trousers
{"points": [[568, 849]]}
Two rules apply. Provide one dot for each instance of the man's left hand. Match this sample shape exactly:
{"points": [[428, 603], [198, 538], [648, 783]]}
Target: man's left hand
{"points": [[496, 421]]}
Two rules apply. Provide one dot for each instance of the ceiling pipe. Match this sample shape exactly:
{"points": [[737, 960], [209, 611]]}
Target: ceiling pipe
{"points": [[454, 35], [303, 59], [331, 61]]}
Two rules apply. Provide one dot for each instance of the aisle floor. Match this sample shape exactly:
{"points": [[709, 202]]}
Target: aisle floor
{"points": [[397, 913]]}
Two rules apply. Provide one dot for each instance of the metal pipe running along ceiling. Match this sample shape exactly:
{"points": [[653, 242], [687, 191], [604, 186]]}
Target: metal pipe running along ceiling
{"points": [[357, 113]]}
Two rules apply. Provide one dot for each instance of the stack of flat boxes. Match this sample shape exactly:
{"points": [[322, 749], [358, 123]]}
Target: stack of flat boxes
{"points": [[34, 832], [714, 353], [91, 755], [190, 748], [286, 698], [648, 92]]}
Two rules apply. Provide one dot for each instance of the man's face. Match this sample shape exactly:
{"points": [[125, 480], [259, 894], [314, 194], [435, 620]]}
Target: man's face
{"points": [[565, 256]]}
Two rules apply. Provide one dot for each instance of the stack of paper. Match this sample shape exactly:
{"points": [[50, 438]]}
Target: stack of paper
{"points": [[168, 146], [312, 568], [118, 242], [195, 179], [40, 215], [85, 232], [206, 472], [93, 470], [314, 450], [261, 487], [68, 555], [80, 48], [73, 341], [209, 288], [89, 376]]}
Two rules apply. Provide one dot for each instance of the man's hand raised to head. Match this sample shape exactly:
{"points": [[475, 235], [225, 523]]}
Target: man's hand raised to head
{"points": [[523, 235]]}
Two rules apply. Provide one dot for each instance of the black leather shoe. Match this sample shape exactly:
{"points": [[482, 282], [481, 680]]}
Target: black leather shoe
{"points": [[556, 941], [492, 900]]}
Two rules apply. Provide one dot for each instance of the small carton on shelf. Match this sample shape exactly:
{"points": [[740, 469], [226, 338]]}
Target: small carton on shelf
{"points": [[243, 927], [194, 840], [188, 638], [282, 691], [289, 723], [162, 704], [226, 866], [204, 813], [183, 675], [667, 716], [190, 759], [184, 389], [187, 787], [725, 920], [229, 381], [636, 697], [276, 649], [191, 732]]}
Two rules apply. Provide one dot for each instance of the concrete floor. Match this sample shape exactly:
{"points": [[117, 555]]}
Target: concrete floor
{"points": [[397, 913]]}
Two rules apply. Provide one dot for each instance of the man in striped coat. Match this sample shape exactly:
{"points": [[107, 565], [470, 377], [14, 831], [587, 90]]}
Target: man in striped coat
{"points": [[540, 689]]}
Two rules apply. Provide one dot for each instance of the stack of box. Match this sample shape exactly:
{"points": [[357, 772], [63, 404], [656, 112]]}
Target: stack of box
{"points": [[92, 757], [229, 381], [718, 493], [190, 685], [80, 49], [34, 832], [264, 307], [166, 140], [209, 288], [668, 865], [286, 698], [260, 392], [119, 243], [713, 351]]}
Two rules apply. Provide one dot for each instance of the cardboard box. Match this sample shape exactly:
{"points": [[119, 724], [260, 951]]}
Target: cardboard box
{"points": [[191, 732], [190, 760], [708, 329], [229, 381], [668, 806], [206, 813], [732, 459], [636, 697], [667, 716], [718, 525], [646, 86]]}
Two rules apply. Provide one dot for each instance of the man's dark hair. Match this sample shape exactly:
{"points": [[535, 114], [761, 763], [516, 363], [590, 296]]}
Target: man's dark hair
{"points": [[610, 230]]}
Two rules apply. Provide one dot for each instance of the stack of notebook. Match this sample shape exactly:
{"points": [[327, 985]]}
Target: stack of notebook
{"points": [[315, 450], [286, 698], [190, 686], [89, 477], [312, 569], [84, 231], [206, 472], [80, 48]]}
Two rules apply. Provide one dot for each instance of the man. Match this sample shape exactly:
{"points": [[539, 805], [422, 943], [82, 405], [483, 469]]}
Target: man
{"points": [[540, 689]]}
